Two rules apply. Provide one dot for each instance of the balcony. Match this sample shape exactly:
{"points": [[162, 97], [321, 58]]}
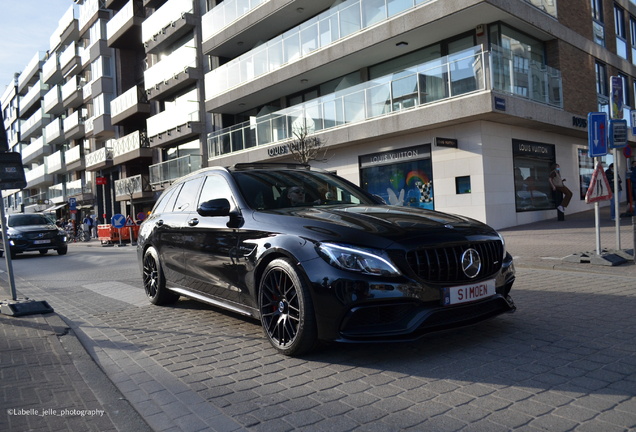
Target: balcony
{"points": [[37, 200], [72, 93], [167, 24], [85, 57], [31, 101], [73, 158], [54, 132], [131, 107], [66, 31], [435, 81], [101, 122], [70, 60], [225, 14], [32, 127], [89, 12], [178, 122], [55, 162], [53, 101], [82, 192], [173, 73], [87, 92], [57, 193], [74, 126], [38, 177], [99, 159], [36, 151], [125, 26], [165, 173], [135, 187], [31, 73], [130, 147], [153, 3], [51, 72], [89, 126]]}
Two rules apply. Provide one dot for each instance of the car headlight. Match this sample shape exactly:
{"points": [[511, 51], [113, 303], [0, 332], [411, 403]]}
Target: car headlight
{"points": [[16, 236], [503, 243], [367, 261]]}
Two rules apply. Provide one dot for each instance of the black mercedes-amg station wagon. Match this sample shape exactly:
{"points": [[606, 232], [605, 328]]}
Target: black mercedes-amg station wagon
{"points": [[316, 258]]}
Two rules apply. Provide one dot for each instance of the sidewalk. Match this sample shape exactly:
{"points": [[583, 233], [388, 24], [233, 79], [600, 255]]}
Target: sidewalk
{"points": [[542, 245]]}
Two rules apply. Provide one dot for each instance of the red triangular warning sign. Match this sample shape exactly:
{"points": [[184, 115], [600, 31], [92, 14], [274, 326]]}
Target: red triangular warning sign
{"points": [[131, 223], [599, 189]]}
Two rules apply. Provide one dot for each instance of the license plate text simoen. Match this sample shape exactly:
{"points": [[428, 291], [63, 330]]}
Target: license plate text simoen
{"points": [[468, 293]]}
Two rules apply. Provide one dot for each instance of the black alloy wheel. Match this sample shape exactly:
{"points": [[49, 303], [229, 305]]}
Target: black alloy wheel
{"points": [[154, 280], [286, 309]]}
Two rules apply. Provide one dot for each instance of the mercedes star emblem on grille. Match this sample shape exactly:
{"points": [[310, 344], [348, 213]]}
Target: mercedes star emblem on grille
{"points": [[471, 263]]}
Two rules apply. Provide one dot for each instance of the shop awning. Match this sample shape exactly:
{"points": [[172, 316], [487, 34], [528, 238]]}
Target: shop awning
{"points": [[52, 209]]}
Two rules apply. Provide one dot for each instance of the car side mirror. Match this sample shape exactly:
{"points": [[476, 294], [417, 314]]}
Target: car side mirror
{"points": [[215, 207]]}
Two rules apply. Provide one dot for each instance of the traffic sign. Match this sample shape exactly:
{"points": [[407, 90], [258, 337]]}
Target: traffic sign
{"points": [[118, 220], [597, 133], [72, 204], [618, 133], [129, 222], [141, 216], [599, 189], [627, 151]]}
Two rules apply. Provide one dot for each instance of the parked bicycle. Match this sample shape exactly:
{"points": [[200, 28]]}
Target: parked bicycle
{"points": [[76, 236]]}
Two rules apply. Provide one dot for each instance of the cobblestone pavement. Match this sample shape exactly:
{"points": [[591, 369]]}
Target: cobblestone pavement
{"points": [[566, 360]]}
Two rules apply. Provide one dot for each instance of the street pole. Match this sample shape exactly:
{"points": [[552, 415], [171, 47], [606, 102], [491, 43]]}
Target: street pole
{"points": [[597, 217], [7, 250], [616, 201]]}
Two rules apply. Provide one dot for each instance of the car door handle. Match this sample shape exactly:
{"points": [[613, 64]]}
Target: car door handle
{"points": [[193, 222], [159, 222]]}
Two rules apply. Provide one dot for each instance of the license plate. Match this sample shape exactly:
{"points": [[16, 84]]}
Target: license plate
{"points": [[468, 293], [41, 241]]}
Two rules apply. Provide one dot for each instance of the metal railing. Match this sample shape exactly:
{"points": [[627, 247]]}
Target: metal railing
{"points": [[169, 171], [224, 14], [128, 99], [98, 156], [132, 185], [40, 198], [129, 143]]}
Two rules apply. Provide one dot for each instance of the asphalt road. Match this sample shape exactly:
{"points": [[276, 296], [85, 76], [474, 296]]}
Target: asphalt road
{"points": [[566, 360]]}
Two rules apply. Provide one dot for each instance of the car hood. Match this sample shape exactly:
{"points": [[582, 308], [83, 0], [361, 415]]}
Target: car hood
{"points": [[381, 225], [32, 228]]}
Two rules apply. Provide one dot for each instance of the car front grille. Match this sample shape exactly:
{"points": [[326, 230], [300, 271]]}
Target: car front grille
{"points": [[445, 264], [42, 235]]}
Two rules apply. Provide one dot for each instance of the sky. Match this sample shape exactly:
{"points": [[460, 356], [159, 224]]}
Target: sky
{"points": [[27, 26]]}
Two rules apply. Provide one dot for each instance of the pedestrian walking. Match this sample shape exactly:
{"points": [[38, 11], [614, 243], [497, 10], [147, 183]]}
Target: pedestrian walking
{"points": [[96, 222], [557, 185], [87, 225], [609, 173]]}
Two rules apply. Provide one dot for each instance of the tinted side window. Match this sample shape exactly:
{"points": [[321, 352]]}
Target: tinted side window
{"points": [[188, 195], [163, 200], [215, 187]]}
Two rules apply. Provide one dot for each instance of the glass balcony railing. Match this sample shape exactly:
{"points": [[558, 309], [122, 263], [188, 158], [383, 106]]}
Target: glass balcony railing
{"points": [[171, 65], [56, 192], [225, 14], [72, 121], [33, 94], [547, 6], [76, 188], [129, 143], [73, 154], [171, 170], [171, 11], [51, 66], [124, 15], [128, 99], [132, 185], [325, 29], [31, 68], [36, 119], [69, 53], [87, 90], [39, 199], [87, 10], [63, 23], [73, 85], [36, 146], [53, 98], [448, 77], [35, 173], [53, 130]]}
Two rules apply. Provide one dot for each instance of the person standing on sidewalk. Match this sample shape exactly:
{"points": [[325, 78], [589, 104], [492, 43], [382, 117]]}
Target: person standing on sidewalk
{"points": [[96, 222], [609, 173], [88, 225], [557, 185]]}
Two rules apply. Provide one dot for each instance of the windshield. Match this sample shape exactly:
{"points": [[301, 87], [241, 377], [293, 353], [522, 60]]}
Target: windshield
{"points": [[28, 219], [268, 190]]}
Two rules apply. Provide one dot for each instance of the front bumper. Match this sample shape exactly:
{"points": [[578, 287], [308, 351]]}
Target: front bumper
{"points": [[375, 309], [21, 245]]}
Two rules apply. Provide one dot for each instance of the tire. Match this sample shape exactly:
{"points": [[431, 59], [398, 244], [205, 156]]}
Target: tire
{"points": [[62, 250], [154, 280], [287, 312], [43, 251]]}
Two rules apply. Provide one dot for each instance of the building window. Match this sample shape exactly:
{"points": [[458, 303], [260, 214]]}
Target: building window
{"points": [[621, 36], [462, 185], [632, 35], [402, 177], [598, 22], [602, 89], [531, 172], [626, 98]]}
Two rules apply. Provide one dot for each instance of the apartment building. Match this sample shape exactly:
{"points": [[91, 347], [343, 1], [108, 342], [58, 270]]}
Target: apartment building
{"points": [[453, 106]]}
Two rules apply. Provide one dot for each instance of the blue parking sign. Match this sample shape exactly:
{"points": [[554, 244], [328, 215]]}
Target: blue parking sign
{"points": [[597, 134], [72, 203]]}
